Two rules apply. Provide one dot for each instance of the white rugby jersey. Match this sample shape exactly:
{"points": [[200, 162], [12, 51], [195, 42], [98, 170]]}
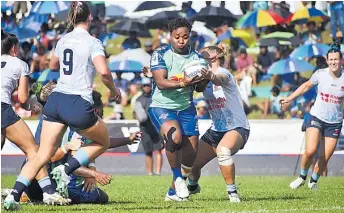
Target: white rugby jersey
{"points": [[225, 105], [12, 68], [76, 51], [328, 105]]}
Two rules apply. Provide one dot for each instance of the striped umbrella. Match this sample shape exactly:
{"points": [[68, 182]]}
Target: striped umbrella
{"points": [[243, 37], [289, 65], [260, 18], [310, 51], [305, 15], [49, 7]]}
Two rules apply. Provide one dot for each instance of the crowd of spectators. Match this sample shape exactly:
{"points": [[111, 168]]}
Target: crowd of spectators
{"points": [[249, 70]]}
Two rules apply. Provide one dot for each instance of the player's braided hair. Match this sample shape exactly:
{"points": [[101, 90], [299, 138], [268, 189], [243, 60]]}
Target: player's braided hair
{"points": [[222, 51], [78, 12], [178, 23]]}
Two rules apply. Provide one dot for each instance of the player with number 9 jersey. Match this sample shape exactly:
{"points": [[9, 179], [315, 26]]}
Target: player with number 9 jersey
{"points": [[78, 56], [76, 51]]}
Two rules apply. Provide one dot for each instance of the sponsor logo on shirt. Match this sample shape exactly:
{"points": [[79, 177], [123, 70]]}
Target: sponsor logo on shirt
{"points": [[216, 103], [178, 77], [163, 116], [155, 60], [328, 98]]}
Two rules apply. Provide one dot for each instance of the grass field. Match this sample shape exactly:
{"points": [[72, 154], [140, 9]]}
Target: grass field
{"points": [[258, 194]]}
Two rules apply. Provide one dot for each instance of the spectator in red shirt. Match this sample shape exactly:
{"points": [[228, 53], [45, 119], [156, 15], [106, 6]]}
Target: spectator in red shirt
{"points": [[245, 66]]}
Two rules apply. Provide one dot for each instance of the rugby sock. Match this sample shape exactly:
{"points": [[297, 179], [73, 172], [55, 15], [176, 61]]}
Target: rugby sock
{"points": [[314, 178], [171, 191], [19, 187], [192, 186], [177, 172], [79, 159], [192, 182], [46, 186], [231, 188], [303, 173]]}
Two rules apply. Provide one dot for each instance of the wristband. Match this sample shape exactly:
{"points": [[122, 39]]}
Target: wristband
{"points": [[63, 148], [91, 165], [182, 84]]}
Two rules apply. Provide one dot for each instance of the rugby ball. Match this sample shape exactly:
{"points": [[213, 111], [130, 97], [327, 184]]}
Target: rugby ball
{"points": [[193, 68]]}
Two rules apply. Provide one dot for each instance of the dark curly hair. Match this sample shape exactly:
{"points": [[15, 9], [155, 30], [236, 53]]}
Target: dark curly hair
{"points": [[178, 23]]}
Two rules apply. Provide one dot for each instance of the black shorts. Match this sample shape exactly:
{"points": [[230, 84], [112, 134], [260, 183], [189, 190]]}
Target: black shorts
{"points": [[213, 138], [8, 116], [71, 110], [326, 129], [151, 142]]}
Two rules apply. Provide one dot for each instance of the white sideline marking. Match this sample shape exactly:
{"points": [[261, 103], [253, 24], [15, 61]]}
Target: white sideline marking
{"points": [[285, 210]]}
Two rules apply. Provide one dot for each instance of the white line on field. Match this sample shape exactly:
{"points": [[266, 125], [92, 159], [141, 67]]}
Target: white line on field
{"points": [[285, 210]]}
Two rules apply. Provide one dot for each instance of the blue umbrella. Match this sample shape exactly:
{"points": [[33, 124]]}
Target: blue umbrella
{"points": [[35, 75], [48, 75], [49, 7], [289, 65], [22, 32], [310, 50], [125, 66]]}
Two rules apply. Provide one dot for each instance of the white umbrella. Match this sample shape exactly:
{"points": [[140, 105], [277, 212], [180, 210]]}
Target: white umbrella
{"points": [[145, 14], [201, 29], [139, 55]]}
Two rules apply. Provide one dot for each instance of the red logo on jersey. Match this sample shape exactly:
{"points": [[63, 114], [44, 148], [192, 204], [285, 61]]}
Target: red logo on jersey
{"points": [[331, 98], [324, 97]]}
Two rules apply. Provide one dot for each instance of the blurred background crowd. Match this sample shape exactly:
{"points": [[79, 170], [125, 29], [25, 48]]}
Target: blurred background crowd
{"points": [[275, 46]]}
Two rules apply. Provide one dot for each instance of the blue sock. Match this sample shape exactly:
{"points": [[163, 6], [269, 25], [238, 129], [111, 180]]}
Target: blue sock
{"points": [[19, 187], [315, 177], [46, 186], [231, 188], [303, 173], [171, 191], [79, 159], [192, 183], [177, 172]]}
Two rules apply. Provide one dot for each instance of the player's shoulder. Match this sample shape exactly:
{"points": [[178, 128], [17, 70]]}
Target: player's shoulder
{"points": [[17, 63], [322, 71], [224, 71], [162, 49]]}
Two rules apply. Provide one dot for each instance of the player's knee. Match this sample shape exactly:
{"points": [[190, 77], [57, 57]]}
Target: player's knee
{"points": [[309, 153], [173, 140], [224, 156]]}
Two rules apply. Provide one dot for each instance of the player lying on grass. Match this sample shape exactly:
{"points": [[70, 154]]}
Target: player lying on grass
{"points": [[15, 75], [82, 187], [230, 128], [78, 56]]}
